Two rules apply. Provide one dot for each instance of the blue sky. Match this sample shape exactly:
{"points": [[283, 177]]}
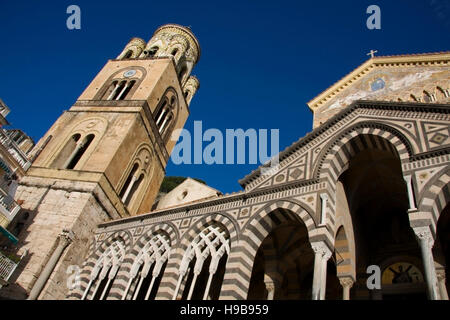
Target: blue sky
{"points": [[261, 61]]}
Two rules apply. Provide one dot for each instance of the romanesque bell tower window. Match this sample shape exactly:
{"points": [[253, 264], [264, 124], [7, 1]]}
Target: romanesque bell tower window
{"points": [[152, 52], [128, 54], [78, 152], [165, 113], [119, 89]]}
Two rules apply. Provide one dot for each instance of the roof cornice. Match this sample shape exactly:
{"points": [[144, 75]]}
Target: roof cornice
{"points": [[368, 104], [359, 72]]}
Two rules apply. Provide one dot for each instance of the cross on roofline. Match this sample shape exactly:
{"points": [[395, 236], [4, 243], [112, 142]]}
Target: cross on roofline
{"points": [[372, 53]]}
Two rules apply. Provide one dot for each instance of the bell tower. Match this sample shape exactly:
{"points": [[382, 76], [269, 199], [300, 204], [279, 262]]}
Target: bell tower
{"points": [[105, 157]]}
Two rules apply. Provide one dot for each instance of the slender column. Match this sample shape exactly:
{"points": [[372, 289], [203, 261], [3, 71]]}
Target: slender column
{"points": [[73, 154], [123, 90], [180, 279], [408, 180], [112, 274], [426, 240], [212, 271], [441, 280], [191, 289], [113, 92], [97, 286], [322, 254], [161, 115], [270, 287], [65, 238], [103, 273], [106, 288], [147, 295], [346, 283], [86, 291], [127, 192], [161, 129], [127, 288], [323, 282], [317, 273], [138, 288], [323, 213], [208, 285]]}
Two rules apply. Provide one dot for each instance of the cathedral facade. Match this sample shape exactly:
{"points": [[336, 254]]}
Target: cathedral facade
{"points": [[367, 190]]}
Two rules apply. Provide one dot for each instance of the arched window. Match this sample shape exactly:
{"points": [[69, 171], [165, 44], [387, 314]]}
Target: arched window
{"points": [[152, 52], [165, 125], [182, 72], [128, 54], [174, 52], [118, 90], [60, 161], [126, 90], [105, 271], [413, 98], [148, 268], [133, 190], [203, 264], [427, 97], [165, 113], [119, 87], [127, 185], [110, 91], [78, 152], [441, 93]]}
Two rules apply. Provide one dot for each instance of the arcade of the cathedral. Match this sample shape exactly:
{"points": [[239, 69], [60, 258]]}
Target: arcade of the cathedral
{"points": [[354, 193], [368, 188]]}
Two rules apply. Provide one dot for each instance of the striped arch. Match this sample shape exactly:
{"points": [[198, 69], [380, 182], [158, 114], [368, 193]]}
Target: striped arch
{"points": [[362, 136], [169, 281], [89, 264], [240, 261], [123, 276], [436, 197]]}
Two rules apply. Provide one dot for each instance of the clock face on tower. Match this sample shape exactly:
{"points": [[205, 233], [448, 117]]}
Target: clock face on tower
{"points": [[401, 272], [129, 73]]}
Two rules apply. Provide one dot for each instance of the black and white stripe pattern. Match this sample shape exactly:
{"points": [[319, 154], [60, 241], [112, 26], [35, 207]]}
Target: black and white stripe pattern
{"points": [[123, 276], [170, 278], [240, 261], [123, 236], [433, 200], [339, 152]]}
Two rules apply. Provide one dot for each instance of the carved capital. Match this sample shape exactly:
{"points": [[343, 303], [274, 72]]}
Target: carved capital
{"points": [[346, 282], [270, 286], [66, 237], [322, 249], [424, 234], [440, 274]]}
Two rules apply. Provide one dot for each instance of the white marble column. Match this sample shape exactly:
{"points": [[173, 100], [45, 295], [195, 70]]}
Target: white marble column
{"points": [[426, 240], [127, 192], [346, 283], [78, 147], [322, 254], [441, 280], [408, 180]]}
